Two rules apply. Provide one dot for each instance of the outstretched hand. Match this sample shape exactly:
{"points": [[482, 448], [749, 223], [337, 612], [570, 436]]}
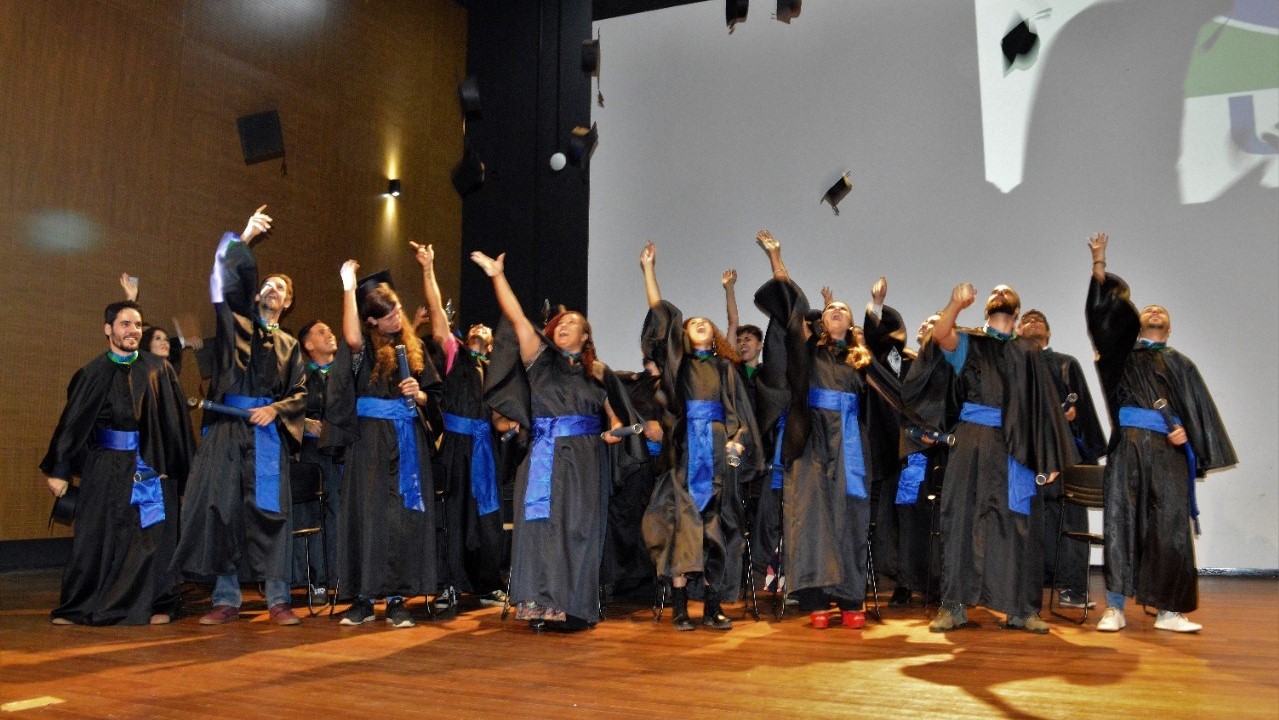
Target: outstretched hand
{"points": [[765, 240], [963, 295], [130, 285], [828, 296], [424, 254], [648, 256], [259, 223], [879, 290], [348, 272], [491, 266], [729, 278], [1097, 243]]}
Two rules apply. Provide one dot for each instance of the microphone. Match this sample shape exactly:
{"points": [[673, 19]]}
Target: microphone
{"points": [[402, 357], [219, 408], [914, 432]]}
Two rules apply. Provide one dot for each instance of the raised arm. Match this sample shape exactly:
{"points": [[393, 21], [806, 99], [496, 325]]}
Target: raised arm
{"points": [[729, 281], [878, 292], [944, 331], [1097, 243], [495, 268], [773, 250], [130, 285], [431, 288], [648, 258], [352, 333]]}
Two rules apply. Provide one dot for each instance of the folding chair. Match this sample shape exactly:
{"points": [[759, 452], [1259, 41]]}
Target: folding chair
{"points": [[1082, 486]]}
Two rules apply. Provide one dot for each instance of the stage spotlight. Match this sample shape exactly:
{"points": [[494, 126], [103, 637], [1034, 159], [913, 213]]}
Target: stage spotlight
{"points": [[468, 93], [581, 145], [735, 12], [393, 188], [837, 192], [787, 9]]}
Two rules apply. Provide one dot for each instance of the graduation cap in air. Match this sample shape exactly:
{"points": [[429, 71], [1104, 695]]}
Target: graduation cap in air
{"points": [[368, 284], [1020, 46], [581, 145], [468, 173], [735, 12], [837, 192], [64, 507], [788, 9]]}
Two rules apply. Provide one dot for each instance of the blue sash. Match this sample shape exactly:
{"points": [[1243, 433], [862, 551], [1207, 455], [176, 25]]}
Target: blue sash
{"points": [[537, 495], [912, 476], [147, 495], [483, 468], [778, 469], [1153, 420], [395, 410], [654, 448], [701, 448], [1021, 479], [266, 454], [845, 403]]}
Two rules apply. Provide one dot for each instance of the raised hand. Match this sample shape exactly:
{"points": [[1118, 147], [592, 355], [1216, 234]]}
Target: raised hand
{"points": [[491, 266], [420, 317], [828, 296], [963, 295], [348, 272], [424, 254], [1097, 243], [765, 240], [648, 256], [729, 278], [879, 290], [259, 223], [130, 285]]}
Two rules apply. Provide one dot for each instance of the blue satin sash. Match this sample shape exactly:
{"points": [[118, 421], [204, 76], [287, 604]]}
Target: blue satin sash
{"points": [[537, 495], [1153, 420], [1021, 479], [483, 468], [779, 469], [402, 416], [266, 454], [911, 478], [147, 493], [846, 404], [700, 414]]}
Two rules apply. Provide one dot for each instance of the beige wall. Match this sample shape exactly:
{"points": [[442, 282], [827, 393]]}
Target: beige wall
{"points": [[119, 152]]}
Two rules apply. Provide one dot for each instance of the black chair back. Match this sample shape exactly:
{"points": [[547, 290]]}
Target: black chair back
{"points": [[306, 482], [1082, 485]]}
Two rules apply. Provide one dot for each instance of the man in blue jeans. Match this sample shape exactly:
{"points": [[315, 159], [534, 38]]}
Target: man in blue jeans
{"points": [[235, 511]]}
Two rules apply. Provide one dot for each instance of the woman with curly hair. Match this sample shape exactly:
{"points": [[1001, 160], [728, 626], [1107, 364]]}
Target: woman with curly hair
{"points": [[692, 525], [826, 516]]}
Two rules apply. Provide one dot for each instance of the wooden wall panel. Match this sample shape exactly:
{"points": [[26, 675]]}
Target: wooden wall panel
{"points": [[119, 152]]}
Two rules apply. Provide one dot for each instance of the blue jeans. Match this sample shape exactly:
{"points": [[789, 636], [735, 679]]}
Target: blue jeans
{"points": [[226, 591]]}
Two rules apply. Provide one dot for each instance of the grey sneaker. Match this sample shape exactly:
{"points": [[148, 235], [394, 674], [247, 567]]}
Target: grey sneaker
{"points": [[948, 620], [1029, 623], [1073, 599]]}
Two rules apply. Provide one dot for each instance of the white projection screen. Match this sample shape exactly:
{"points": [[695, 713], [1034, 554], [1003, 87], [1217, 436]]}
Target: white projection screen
{"points": [[1152, 120]]}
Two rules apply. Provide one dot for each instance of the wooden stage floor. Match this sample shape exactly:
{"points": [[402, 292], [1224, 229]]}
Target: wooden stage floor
{"points": [[629, 667]]}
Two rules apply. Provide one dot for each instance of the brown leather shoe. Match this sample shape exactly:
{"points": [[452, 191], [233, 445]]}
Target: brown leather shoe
{"points": [[282, 614], [220, 615], [161, 619]]}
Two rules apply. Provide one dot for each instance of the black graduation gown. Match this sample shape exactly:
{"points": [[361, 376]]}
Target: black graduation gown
{"points": [[224, 532], [387, 549], [119, 571], [825, 530], [627, 565], [680, 539], [555, 562], [991, 555], [471, 554], [326, 452], [771, 400], [1149, 546]]}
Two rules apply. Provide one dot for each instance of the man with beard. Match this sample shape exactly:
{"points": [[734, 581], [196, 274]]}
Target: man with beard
{"points": [[124, 431], [1151, 468], [1010, 429], [235, 514], [1085, 430]]}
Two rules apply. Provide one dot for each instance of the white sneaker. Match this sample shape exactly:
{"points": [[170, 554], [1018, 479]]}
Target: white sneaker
{"points": [[1112, 620], [1176, 622]]}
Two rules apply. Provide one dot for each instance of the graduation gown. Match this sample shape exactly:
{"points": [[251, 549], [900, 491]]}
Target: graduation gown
{"points": [[555, 561], [387, 549], [326, 451], [224, 531], [1149, 545], [990, 554], [119, 571], [627, 565], [471, 554], [824, 528], [680, 538]]}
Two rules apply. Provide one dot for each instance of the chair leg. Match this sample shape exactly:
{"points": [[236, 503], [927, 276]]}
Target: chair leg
{"points": [[871, 580], [306, 552], [506, 601], [1054, 596], [748, 561], [659, 600]]}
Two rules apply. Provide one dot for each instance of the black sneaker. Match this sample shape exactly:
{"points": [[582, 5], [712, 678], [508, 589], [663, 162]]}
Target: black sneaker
{"points": [[683, 622], [717, 620], [360, 612], [1072, 599], [398, 615], [900, 598], [497, 598]]}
